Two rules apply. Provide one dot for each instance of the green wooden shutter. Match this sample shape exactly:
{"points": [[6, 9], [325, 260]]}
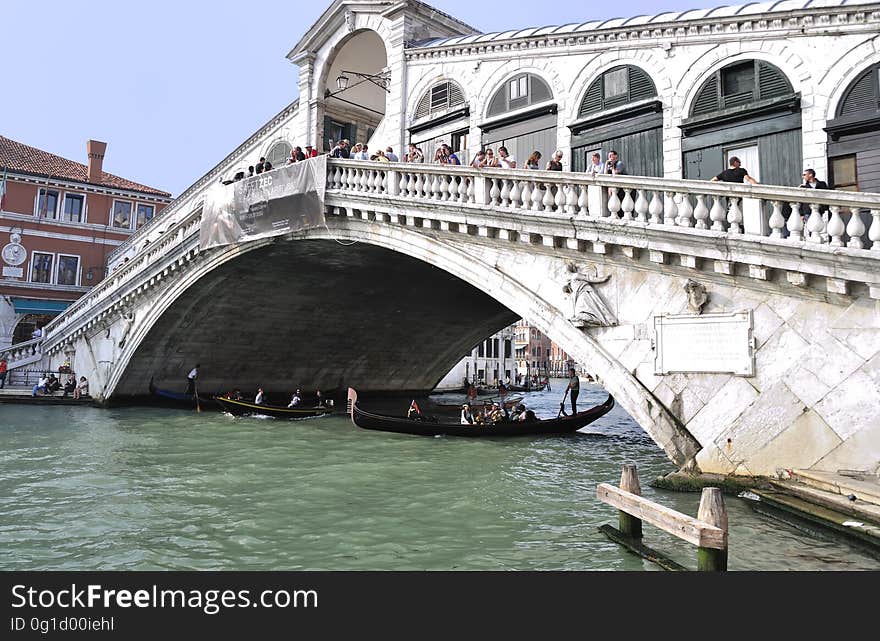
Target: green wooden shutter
{"points": [[707, 98], [862, 94]]}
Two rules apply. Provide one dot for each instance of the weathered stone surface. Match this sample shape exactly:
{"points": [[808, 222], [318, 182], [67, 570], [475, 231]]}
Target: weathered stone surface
{"points": [[802, 444], [722, 409], [778, 355], [859, 451], [844, 407], [766, 322], [830, 360]]}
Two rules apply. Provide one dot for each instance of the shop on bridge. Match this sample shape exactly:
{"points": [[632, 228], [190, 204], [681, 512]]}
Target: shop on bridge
{"points": [[441, 116], [746, 109], [620, 110], [854, 136], [522, 117]]}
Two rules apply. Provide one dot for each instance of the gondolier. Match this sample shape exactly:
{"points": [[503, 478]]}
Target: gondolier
{"points": [[191, 379], [574, 388]]}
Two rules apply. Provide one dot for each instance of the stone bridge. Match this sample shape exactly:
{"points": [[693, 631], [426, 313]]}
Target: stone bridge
{"points": [[742, 340]]}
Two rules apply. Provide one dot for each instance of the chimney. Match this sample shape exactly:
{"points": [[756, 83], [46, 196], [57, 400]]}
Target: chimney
{"points": [[95, 150]]}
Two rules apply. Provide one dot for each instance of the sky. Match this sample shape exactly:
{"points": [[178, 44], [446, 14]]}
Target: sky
{"points": [[174, 87]]}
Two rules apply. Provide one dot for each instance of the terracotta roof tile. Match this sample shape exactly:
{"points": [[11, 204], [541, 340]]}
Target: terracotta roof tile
{"points": [[15, 156]]}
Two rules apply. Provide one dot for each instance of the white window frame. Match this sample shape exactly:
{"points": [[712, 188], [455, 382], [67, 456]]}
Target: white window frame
{"points": [[141, 204], [131, 213], [53, 216], [77, 276], [30, 277], [83, 215]]}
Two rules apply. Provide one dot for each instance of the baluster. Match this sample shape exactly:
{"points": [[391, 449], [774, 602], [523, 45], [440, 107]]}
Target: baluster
{"points": [[815, 224], [701, 212], [443, 185], [874, 231], [685, 211], [526, 195], [559, 200], [777, 220], [655, 208], [571, 200], [734, 217], [717, 214], [494, 192], [435, 188], [335, 177], [795, 224], [627, 205], [641, 206], [613, 203], [471, 197], [855, 229], [504, 193], [379, 181], [836, 227], [549, 200], [463, 189], [537, 197], [670, 209], [365, 180], [515, 194]]}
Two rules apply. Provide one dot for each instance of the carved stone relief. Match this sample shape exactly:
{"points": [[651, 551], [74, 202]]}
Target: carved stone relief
{"points": [[697, 296], [587, 307]]}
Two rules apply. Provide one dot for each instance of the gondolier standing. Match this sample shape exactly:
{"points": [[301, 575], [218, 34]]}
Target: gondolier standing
{"points": [[574, 387], [191, 379]]}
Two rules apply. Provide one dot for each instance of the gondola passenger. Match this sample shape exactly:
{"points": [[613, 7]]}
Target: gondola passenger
{"points": [[466, 417]]}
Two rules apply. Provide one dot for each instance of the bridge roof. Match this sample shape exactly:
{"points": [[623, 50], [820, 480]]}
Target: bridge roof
{"points": [[724, 11], [18, 157]]}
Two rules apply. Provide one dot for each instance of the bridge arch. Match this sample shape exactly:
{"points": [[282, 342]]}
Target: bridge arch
{"points": [[487, 287]]}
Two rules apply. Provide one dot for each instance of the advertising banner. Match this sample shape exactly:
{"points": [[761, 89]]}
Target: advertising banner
{"points": [[277, 202]]}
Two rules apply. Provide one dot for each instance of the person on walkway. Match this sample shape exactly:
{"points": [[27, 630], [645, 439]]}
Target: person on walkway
{"points": [[69, 386], [392, 157], [258, 400], [533, 161], [555, 163], [596, 165], [295, 400], [82, 388], [415, 155], [40, 387], [734, 174], [573, 389], [311, 152], [52, 384], [261, 165], [191, 379], [811, 182], [3, 367], [451, 158], [505, 159]]}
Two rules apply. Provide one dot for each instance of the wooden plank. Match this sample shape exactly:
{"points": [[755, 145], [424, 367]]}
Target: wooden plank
{"points": [[681, 525], [637, 547]]}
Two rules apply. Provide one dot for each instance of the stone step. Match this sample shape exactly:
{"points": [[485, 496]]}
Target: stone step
{"points": [[859, 509], [865, 487], [809, 510]]}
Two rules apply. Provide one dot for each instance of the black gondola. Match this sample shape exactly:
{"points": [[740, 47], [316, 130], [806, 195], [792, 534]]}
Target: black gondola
{"points": [[245, 408], [179, 399], [563, 425]]}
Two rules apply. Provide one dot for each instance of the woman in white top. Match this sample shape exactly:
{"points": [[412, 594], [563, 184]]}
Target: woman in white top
{"points": [[259, 399], [466, 417]]}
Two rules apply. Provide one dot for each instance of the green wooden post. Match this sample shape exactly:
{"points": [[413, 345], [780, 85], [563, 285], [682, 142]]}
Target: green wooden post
{"points": [[629, 481], [713, 512]]}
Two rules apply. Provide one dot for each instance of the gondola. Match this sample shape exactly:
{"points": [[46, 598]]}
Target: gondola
{"points": [[179, 399], [509, 403], [563, 425], [539, 387], [244, 408]]}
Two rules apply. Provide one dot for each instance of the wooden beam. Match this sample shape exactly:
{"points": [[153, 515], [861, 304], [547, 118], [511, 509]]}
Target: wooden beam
{"points": [[684, 527]]}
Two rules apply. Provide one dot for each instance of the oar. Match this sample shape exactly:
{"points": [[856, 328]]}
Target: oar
{"points": [[196, 389], [562, 404]]}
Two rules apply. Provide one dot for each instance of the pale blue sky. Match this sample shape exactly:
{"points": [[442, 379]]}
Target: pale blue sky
{"points": [[173, 87]]}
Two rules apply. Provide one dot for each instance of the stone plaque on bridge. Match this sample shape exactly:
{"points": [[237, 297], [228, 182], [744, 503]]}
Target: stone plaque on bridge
{"points": [[12, 272], [718, 343]]}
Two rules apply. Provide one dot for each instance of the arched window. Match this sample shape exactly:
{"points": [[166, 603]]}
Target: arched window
{"points": [[616, 87], [439, 98], [739, 84], [279, 153], [863, 94], [520, 91]]}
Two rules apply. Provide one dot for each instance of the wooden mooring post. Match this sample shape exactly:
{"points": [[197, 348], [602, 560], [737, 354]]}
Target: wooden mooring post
{"points": [[708, 531]]}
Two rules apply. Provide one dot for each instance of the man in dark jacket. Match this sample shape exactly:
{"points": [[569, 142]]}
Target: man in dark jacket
{"points": [[810, 181]]}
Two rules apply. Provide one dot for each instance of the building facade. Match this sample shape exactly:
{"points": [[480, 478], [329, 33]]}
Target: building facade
{"points": [[59, 220], [489, 363]]}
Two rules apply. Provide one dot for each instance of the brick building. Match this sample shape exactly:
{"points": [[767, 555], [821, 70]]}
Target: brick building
{"points": [[59, 219]]}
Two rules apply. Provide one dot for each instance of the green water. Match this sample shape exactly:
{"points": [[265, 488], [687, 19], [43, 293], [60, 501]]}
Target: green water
{"points": [[146, 488]]}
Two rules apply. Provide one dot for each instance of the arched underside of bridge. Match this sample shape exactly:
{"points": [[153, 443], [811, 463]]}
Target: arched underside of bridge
{"points": [[314, 313]]}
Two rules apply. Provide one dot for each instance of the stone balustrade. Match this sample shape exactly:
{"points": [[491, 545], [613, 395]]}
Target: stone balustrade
{"points": [[22, 354]]}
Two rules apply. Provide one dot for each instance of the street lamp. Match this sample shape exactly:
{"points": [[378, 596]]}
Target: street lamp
{"points": [[381, 80]]}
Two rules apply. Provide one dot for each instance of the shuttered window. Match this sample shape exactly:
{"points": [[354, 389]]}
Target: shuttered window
{"points": [[739, 84], [518, 92], [863, 94], [442, 96], [616, 87]]}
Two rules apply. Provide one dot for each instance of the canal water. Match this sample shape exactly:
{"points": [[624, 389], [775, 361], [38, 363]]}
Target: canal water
{"points": [[147, 488]]}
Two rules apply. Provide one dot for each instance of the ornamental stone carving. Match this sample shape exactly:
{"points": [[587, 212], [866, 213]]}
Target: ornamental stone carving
{"points": [[697, 296], [587, 307], [349, 20]]}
